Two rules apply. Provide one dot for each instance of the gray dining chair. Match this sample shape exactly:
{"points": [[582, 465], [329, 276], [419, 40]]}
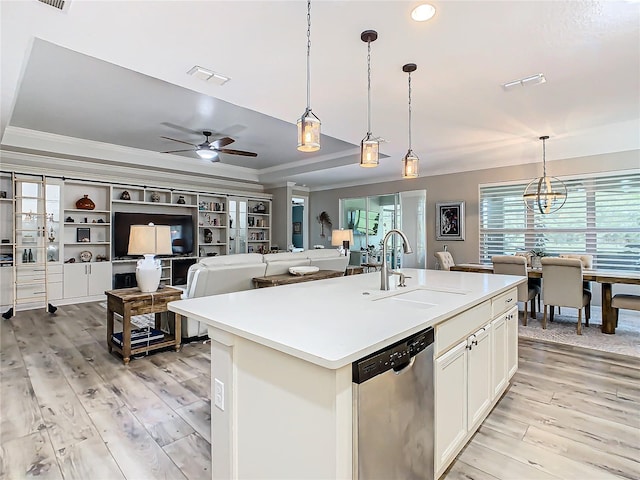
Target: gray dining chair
{"points": [[562, 287], [445, 259], [517, 265], [587, 262]]}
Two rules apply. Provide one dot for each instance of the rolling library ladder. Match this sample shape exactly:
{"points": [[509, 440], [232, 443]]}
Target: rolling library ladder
{"points": [[36, 221]]}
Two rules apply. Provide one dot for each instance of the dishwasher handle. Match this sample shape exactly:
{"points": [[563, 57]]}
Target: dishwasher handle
{"points": [[400, 369]]}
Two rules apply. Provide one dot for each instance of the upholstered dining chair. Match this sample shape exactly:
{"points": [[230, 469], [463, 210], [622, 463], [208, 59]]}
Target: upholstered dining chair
{"points": [[587, 262], [517, 265], [562, 287], [445, 259]]}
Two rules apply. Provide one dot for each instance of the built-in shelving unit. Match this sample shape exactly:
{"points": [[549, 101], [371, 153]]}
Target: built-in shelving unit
{"points": [[72, 249], [258, 226], [212, 225]]}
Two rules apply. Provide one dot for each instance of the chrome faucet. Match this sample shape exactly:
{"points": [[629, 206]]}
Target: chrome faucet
{"points": [[385, 273]]}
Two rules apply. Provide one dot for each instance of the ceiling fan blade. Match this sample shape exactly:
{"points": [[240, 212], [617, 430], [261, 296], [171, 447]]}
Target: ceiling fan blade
{"points": [[237, 152], [181, 141], [176, 151], [221, 142]]}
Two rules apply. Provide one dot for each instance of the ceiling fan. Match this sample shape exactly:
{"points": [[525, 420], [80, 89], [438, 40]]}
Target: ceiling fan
{"points": [[209, 150]]}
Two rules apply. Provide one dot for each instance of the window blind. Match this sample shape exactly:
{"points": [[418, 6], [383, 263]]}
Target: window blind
{"points": [[601, 217]]}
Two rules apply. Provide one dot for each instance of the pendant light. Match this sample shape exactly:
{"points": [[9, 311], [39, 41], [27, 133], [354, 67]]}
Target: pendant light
{"points": [[369, 146], [308, 123], [410, 160], [545, 194]]}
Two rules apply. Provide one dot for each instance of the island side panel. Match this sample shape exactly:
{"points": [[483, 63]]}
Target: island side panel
{"points": [[284, 417]]}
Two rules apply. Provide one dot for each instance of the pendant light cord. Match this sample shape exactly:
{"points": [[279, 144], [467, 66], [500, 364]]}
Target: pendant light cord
{"points": [[544, 158], [409, 111], [369, 87], [308, 55]]}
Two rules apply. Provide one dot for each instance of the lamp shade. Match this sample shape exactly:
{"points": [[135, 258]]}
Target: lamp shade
{"points": [[150, 239], [340, 236]]}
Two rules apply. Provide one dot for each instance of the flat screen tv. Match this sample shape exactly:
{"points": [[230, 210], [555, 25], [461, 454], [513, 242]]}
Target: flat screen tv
{"points": [[181, 230]]}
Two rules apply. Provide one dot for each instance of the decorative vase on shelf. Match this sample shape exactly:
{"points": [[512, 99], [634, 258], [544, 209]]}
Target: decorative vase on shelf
{"points": [[181, 200], [85, 203], [125, 195], [155, 197]]}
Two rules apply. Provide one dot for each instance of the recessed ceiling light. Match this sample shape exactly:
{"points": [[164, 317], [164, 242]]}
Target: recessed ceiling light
{"points": [[208, 75], [423, 12]]}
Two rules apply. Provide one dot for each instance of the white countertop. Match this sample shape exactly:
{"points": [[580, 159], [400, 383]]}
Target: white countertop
{"points": [[336, 321]]}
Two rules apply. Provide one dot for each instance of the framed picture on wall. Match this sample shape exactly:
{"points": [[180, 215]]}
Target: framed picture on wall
{"points": [[297, 228], [450, 221]]}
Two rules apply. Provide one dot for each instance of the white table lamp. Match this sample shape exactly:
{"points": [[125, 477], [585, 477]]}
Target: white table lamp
{"points": [[149, 240], [342, 238]]}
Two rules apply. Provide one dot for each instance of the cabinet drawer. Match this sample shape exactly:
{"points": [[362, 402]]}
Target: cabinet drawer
{"points": [[26, 292], [504, 302], [54, 269], [31, 271], [461, 326]]}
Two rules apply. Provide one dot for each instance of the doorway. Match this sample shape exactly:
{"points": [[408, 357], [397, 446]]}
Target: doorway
{"points": [[297, 222]]}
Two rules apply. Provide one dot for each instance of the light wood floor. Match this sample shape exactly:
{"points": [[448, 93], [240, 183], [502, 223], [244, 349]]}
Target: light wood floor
{"points": [[71, 410]]}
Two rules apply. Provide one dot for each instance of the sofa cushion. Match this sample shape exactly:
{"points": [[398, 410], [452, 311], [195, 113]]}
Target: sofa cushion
{"points": [[238, 259]]}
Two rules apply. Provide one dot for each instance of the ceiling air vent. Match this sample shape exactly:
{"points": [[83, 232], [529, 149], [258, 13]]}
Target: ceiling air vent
{"points": [[59, 4]]}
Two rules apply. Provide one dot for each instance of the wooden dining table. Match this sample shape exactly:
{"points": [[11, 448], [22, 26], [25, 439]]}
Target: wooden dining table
{"points": [[604, 277]]}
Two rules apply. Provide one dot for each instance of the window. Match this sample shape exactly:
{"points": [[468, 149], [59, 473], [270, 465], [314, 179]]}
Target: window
{"points": [[601, 217]]}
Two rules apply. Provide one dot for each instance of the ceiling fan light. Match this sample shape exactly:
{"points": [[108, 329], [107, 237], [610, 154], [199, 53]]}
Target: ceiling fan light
{"points": [[369, 152], [308, 132], [410, 165], [206, 153]]}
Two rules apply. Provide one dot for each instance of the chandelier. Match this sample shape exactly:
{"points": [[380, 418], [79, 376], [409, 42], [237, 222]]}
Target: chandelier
{"points": [[545, 194]]}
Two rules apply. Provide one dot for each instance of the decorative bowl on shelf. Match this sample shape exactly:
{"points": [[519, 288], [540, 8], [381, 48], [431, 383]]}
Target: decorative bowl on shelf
{"points": [[303, 270]]}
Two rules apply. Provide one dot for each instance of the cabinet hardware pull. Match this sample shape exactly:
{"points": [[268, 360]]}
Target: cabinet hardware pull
{"points": [[510, 300]]}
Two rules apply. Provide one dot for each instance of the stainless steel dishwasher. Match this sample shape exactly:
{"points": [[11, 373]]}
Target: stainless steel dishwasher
{"points": [[393, 406]]}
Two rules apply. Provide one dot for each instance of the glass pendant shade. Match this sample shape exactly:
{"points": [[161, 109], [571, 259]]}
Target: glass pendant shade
{"points": [[410, 165], [369, 152], [545, 194], [308, 132]]}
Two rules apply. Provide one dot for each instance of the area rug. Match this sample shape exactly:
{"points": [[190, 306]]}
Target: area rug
{"points": [[625, 341]]}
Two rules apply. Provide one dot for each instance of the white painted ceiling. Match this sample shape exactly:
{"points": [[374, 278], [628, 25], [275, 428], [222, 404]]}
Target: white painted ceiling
{"points": [[112, 75]]}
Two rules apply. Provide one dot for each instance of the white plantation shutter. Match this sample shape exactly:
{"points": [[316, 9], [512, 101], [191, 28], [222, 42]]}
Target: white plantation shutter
{"points": [[601, 217]]}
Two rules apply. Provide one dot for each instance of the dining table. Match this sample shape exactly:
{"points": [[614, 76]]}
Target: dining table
{"points": [[606, 278]]}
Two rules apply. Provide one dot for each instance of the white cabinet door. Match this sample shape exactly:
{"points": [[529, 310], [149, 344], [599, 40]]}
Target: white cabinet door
{"points": [[75, 280], [451, 403], [99, 278], [499, 351], [86, 279], [479, 394], [6, 287], [512, 342]]}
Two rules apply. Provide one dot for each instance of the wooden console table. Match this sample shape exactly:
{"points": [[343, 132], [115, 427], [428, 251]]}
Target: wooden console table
{"points": [[129, 302], [287, 278]]}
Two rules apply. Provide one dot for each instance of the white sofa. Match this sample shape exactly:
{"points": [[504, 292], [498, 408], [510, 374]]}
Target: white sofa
{"points": [[234, 273], [216, 275]]}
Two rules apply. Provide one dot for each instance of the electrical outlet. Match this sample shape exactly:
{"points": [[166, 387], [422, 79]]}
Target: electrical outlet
{"points": [[218, 394]]}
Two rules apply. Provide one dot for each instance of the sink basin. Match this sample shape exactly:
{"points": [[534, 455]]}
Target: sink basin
{"points": [[423, 297]]}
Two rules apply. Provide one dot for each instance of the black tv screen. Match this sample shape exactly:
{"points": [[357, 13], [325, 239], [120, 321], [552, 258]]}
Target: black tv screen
{"points": [[181, 230]]}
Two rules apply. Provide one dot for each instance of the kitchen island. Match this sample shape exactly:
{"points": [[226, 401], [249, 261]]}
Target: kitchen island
{"points": [[281, 375]]}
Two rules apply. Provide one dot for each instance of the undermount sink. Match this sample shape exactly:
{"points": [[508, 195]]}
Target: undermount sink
{"points": [[423, 297]]}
